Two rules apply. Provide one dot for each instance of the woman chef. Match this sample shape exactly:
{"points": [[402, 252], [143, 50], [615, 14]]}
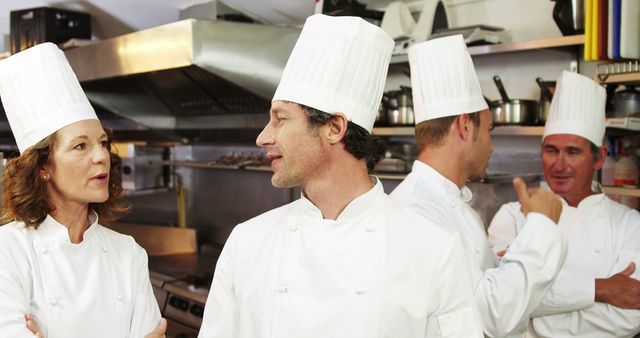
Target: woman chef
{"points": [[73, 276]]}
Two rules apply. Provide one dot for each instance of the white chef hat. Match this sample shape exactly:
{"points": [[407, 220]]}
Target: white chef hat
{"points": [[444, 80], [577, 108], [338, 65], [41, 94]]}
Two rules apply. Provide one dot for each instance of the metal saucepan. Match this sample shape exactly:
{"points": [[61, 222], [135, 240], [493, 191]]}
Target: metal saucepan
{"points": [[399, 105], [546, 95], [513, 111], [626, 102]]}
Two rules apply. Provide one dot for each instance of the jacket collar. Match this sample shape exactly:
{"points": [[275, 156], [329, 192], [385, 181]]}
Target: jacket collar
{"points": [[440, 184], [355, 208], [588, 202], [50, 229]]}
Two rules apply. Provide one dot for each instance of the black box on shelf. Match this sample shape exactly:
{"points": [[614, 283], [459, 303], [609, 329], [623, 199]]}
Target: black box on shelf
{"points": [[32, 26]]}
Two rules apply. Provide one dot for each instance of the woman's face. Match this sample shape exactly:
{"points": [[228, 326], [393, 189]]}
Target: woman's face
{"points": [[78, 168]]}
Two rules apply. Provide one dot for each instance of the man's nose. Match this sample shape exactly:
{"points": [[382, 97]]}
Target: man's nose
{"points": [[265, 137]]}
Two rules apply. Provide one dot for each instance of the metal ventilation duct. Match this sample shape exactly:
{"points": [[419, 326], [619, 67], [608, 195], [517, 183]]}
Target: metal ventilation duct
{"points": [[190, 78]]}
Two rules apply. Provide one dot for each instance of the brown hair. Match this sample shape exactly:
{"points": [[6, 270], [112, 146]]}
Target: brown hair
{"points": [[432, 132], [25, 193]]}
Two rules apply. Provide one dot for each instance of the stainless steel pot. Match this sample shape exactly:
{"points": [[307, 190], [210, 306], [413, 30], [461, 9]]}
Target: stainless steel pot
{"points": [[381, 115], [399, 105], [626, 102], [513, 111]]}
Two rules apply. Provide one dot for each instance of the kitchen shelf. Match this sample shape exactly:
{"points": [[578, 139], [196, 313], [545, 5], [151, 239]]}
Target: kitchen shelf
{"points": [[389, 176], [627, 78], [212, 165], [518, 131], [621, 191], [394, 131], [626, 123], [144, 192], [516, 46], [499, 130]]}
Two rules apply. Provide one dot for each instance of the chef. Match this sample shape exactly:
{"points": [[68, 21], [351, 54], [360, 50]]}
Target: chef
{"points": [[597, 293], [454, 144], [344, 260], [62, 274]]}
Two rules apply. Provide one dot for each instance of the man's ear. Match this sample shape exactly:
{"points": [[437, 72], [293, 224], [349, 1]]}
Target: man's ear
{"points": [[336, 128], [603, 156], [462, 126]]}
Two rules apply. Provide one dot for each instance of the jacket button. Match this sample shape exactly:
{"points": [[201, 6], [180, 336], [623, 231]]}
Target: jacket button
{"points": [[104, 249], [53, 301], [597, 250], [369, 229], [293, 228], [283, 289], [360, 292], [45, 251], [477, 250], [119, 296]]}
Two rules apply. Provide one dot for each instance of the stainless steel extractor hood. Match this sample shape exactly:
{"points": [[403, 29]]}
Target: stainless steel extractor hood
{"points": [[191, 78]]}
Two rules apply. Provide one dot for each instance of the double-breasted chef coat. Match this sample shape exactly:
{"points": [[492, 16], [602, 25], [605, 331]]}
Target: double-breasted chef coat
{"points": [[505, 293], [98, 288], [373, 272], [603, 238]]}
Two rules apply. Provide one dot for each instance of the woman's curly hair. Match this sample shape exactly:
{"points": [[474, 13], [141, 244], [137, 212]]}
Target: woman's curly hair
{"points": [[25, 192]]}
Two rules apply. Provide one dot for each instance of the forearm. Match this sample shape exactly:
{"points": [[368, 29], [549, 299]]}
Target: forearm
{"points": [[600, 320], [507, 295], [570, 291]]}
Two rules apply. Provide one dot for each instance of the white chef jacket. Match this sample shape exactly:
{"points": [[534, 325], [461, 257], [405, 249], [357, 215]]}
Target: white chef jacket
{"points": [[505, 293], [603, 237], [374, 272], [98, 288]]}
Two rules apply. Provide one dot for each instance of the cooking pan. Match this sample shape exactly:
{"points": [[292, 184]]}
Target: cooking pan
{"points": [[546, 95], [513, 111], [399, 105]]}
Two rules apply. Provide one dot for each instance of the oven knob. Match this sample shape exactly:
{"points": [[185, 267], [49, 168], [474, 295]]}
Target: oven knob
{"points": [[197, 310], [126, 170], [179, 303]]}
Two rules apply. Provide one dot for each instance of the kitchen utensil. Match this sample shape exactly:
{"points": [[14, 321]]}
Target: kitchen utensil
{"points": [[616, 29], [546, 95], [626, 102], [610, 29], [513, 111], [588, 30], [569, 16], [602, 29], [629, 28], [399, 105], [595, 20]]}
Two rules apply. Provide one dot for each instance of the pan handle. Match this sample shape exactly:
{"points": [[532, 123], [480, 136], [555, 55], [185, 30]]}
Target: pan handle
{"points": [[503, 93], [544, 90]]}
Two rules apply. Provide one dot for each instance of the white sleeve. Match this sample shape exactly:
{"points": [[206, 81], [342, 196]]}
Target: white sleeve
{"points": [[13, 292], [456, 315], [602, 320], [504, 226], [507, 295], [221, 314], [570, 291], [146, 314]]}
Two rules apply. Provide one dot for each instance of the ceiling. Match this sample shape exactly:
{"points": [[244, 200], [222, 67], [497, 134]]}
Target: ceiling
{"points": [[116, 17]]}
